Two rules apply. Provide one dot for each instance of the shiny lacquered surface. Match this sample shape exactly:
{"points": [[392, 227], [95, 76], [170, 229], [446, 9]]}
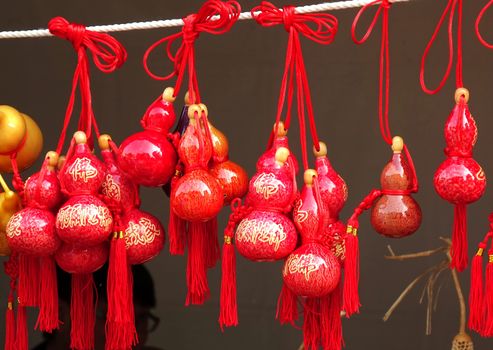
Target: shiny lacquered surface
{"points": [[10, 202], [144, 236], [271, 188], [267, 160], [311, 271], [81, 260], [233, 179], [84, 221], [460, 179], [197, 196], [117, 190], [396, 215], [31, 231], [43, 192], [265, 236], [83, 172], [333, 188], [147, 158], [30, 150]]}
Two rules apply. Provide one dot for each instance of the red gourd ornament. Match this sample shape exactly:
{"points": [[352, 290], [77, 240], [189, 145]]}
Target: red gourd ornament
{"points": [[312, 270], [460, 179], [10, 202], [334, 194], [396, 214], [84, 224], [148, 158], [232, 177], [279, 139], [31, 233], [197, 197], [267, 233]]}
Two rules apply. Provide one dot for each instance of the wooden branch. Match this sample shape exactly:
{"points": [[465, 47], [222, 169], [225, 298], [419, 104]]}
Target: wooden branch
{"points": [[425, 253], [406, 291]]}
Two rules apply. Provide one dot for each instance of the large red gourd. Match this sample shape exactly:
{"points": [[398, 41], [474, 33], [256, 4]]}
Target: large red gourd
{"points": [[460, 179], [267, 233], [312, 270], [396, 214], [334, 193], [196, 198], [84, 224], [232, 177], [148, 158], [31, 233]]}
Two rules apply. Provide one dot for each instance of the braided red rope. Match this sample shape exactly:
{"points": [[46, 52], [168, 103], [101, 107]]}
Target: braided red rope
{"points": [[214, 17], [384, 78], [478, 22], [319, 27], [452, 6], [108, 55]]}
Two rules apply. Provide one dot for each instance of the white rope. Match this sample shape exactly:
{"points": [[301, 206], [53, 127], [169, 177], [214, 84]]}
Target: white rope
{"points": [[168, 23]]}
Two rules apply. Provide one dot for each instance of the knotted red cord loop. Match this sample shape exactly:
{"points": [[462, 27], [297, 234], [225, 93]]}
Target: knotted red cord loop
{"points": [[319, 27], [108, 55], [478, 21], [384, 79], [450, 9], [214, 17]]}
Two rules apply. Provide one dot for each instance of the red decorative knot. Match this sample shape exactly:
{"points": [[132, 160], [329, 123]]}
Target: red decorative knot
{"points": [[190, 34], [214, 17], [108, 54], [323, 26]]}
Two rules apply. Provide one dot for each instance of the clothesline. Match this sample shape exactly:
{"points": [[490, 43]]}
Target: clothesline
{"points": [[167, 23]]}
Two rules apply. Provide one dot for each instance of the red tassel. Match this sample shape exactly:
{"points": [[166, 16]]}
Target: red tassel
{"points": [[311, 324], [120, 325], [48, 308], [330, 321], [459, 239], [476, 293], [82, 312], [176, 232], [21, 338], [10, 325], [213, 249], [29, 280], [351, 302], [176, 226], [198, 286], [287, 306], [228, 308], [488, 314]]}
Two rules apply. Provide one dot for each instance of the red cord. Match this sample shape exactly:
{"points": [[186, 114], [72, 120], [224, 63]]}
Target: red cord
{"points": [[384, 75], [108, 55], [214, 17], [319, 27], [450, 9], [478, 21]]}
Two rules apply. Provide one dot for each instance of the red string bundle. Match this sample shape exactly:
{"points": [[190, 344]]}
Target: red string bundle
{"points": [[214, 17], [108, 55], [321, 315]]}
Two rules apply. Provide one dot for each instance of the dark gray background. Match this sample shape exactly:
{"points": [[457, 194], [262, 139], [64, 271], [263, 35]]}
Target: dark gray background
{"points": [[239, 76]]}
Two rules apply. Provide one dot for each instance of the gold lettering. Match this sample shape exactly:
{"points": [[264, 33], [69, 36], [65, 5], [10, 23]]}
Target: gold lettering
{"points": [[267, 185], [82, 169], [143, 232], [254, 231], [14, 226], [82, 215], [304, 264], [110, 188]]}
